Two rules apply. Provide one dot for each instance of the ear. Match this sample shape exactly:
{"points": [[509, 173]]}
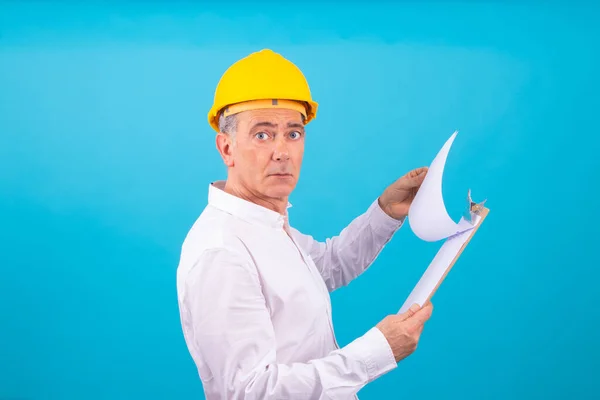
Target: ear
{"points": [[225, 147]]}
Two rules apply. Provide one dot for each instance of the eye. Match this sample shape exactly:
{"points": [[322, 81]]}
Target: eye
{"points": [[262, 136], [295, 135]]}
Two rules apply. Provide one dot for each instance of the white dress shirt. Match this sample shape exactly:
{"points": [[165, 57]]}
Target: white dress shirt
{"points": [[255, 309]]}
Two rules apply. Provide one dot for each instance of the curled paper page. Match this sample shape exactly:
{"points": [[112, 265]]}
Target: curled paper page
{"points": [[430, 221], [427, 215]]}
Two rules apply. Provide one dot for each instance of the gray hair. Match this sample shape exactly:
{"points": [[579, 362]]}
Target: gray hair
{"points": [[228, 125]]}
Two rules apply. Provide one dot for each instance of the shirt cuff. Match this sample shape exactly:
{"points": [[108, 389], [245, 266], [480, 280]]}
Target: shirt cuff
{"points": [[381, 221], [375, 351]]}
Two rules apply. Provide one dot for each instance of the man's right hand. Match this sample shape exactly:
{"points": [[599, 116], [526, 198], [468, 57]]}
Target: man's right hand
{"points": [[403, 331]]}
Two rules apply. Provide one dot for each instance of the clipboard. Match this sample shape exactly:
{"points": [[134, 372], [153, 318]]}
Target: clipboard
{"points": [[432, 223], [442, 263]]}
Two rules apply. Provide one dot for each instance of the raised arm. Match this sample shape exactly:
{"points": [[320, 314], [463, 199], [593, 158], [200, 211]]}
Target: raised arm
{"points": [[229, 328], [342, 258]]}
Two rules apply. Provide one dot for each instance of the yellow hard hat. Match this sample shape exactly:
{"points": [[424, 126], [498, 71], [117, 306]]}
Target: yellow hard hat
{"points": [[262, 79]]}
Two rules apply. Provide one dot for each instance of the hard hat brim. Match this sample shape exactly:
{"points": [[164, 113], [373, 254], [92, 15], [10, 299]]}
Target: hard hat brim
{"points": [[307, 108]]}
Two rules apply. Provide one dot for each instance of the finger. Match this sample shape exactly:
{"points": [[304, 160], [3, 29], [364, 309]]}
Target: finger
{"points": [[417, 176], [417, 172], [421, 170], [418, 330], [422, 315], [410, 312]]}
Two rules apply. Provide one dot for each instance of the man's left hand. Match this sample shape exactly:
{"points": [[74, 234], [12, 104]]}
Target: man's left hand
{"points": [[397, 198]]}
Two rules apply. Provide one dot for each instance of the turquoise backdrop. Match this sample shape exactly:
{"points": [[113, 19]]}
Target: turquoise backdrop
{"points": [[106, 155]]}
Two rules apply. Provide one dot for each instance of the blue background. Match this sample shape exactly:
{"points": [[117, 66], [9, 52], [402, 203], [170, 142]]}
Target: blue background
{"points": [[106, 155]]}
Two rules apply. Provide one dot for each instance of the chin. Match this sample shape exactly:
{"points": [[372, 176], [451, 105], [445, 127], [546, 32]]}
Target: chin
{"points": [[280, 189]]}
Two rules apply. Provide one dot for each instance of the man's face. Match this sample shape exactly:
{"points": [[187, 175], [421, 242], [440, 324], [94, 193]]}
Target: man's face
{"points": [[268, 151]]}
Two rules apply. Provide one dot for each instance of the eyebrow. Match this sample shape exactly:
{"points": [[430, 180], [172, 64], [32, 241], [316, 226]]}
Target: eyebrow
{"points": [[272, 125], [295, 125]]}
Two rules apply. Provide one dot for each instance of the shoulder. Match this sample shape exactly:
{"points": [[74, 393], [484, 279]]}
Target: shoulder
{"points": [[212, 242], [212, 229]]}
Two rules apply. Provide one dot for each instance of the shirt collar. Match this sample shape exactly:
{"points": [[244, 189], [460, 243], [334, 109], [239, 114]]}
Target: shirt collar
{"points": [[244, 209]]}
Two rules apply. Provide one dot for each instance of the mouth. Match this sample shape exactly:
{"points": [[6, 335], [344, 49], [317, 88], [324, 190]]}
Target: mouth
{"points": [[281, 175]]}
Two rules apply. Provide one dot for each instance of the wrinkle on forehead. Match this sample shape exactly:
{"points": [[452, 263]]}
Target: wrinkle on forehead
{"points": [[275, 117]]}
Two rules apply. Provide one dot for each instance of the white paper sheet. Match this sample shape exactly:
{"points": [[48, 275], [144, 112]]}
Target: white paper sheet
{"points": [[438, 267], [429, 220], [427, 215]]}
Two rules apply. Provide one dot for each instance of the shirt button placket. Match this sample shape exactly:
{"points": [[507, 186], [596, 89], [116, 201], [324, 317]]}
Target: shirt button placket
{"points": [[310, 271]]}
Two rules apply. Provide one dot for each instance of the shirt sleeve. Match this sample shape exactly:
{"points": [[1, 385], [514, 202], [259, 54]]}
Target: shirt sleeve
{"points": [[342, 258], [229, 328]]}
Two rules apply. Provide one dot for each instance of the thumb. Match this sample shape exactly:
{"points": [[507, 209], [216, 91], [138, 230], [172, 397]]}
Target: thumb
{"points": [[420, 174], [410, 312], [416, 177]]}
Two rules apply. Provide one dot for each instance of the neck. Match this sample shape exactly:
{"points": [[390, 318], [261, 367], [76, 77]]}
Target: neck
{"points": [[278, 204]]}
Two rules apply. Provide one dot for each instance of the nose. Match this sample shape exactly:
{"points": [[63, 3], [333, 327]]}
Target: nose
{"points": [[280, 152]]}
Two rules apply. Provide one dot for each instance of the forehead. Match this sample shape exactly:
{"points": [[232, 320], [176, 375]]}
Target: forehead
{"points": [[276, 116]]}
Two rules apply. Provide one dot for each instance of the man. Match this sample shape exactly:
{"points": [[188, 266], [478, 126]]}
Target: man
{"points": [[254, 291]]}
